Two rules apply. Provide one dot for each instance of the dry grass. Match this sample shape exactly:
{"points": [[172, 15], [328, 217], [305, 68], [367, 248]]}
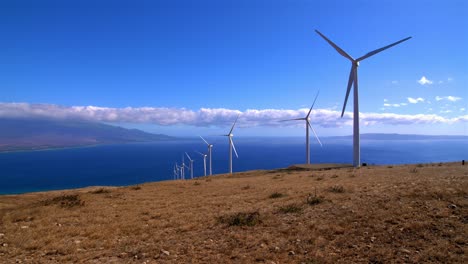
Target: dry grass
{"points": [[383, 215]]}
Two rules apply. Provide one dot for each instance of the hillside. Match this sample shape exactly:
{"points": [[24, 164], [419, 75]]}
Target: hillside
{"points": [[381, 214], [28, 134]]}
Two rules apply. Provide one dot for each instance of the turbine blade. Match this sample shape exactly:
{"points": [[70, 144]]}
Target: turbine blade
{"points": [[294, 119], [204, 140], [315, 133], [381, 49], [233, 147], [342, 52], [232, 128], [188, 156], [350, 82], [307, 116], [200, 153]]}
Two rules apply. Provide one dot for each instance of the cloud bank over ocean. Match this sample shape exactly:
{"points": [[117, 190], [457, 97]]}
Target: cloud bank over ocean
{"points": [[206, 117]]}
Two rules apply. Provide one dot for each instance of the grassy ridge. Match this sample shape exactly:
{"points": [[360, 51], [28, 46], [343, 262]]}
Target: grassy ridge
{"points": [[382, 214]]}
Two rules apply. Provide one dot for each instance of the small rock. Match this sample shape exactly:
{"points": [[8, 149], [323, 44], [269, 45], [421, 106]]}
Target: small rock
{"points": [[262, 245], [2, 235], [452, 206], [24, 227], [165, 252], [277, 249], [373, 239], [4, 245], [405, 251], [291, 253]]}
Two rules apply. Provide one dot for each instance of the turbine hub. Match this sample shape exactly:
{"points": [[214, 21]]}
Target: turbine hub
{"points": [[356, 63]]}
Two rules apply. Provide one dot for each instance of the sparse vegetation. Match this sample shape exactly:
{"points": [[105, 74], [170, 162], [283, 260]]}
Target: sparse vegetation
{"points": [[276, 195], [196, 183], [241, 219], [414, 170], [65, 201]]}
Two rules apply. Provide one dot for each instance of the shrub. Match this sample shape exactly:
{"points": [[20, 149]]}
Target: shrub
{"points": [[290, 208], [241, 219], [336, 189], [314, 199], [276, 195], [100, 190]]}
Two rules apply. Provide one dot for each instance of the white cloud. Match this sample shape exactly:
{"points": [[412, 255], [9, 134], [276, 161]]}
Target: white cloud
{"points": [[206, 117], [403, 104], [449, 79], [462, 109], [445, 111], [394, 82], [415, 100], [448, 98], [385, 100], [424, 81], [391, 105]]}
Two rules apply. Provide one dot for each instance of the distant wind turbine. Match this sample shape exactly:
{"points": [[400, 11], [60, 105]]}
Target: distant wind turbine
{"points": [[191, 165], [353, 80], [210, 146], [204, 161], [307, 120], [231, 145]]}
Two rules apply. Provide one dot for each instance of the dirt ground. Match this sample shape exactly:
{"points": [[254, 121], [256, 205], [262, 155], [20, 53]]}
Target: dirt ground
{"points": [[377, 214]]}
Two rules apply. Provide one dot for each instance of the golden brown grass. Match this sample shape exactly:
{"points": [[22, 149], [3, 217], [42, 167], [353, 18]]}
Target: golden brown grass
{"points": [[382, 214]]}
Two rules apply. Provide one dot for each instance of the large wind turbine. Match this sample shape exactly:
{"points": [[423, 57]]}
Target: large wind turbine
{"points": [[204, 161], [191, 165], [353, 80], [307, 120], [231, 145], [209, 153]]}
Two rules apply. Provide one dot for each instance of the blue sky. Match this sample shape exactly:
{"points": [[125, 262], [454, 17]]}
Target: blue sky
{"points": [[190, 67]]}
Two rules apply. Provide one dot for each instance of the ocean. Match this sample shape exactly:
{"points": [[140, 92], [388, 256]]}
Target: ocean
{"points": [[129, 164]]}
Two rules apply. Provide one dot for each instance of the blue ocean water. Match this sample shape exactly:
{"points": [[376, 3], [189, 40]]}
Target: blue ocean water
{"points": [[128, 164]]}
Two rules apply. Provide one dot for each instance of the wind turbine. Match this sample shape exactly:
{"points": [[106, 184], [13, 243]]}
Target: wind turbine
{"points": [[353, 80], [204, 161], [191, 165], [307, 120], [209, 152], [231, 145]]}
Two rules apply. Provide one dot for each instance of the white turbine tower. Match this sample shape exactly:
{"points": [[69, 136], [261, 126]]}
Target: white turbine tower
{"points": [[353, 80], [182, 168], [231, 145], [204, 161], [209, 153], [177, 168], [307, 120], [191, 165]]}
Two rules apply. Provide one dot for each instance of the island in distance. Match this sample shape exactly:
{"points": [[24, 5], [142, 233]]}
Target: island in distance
{"points": [[33, 134]]}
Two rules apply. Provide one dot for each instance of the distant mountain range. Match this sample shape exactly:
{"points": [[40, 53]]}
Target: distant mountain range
{"points": [[31, 134], [380, 136]]}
